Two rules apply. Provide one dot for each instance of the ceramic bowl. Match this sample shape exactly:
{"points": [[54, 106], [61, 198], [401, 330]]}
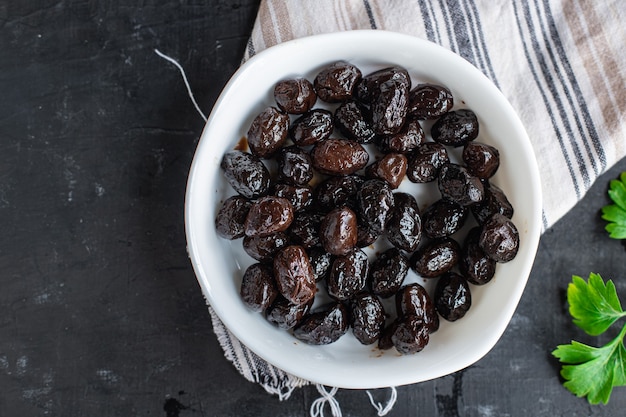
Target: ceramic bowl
{"points": [[219, 264]]}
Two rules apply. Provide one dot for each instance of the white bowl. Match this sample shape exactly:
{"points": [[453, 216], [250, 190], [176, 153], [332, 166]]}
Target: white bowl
{"points": [[219, 264]]}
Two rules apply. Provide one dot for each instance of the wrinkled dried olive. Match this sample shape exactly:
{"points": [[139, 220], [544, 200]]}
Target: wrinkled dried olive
{"points": [[443, 218], [268, 215], [338, 231], [348, 275], [406, 140], [365, 236], [389, 106], [323, 327], [404, 227], [320, 262], [367, 318], [300, 196], [375, 201], [481, 160], [339, 157], [294, 165], [371, 82], [499, 238], [312, 127], [354, 122], [295, 96], [391, 168], [263, 248], [387, 272], [385, 342], [258, 289], [436, 258], [452, 296], [455, 128], [294, 274], [413, 300], [457, 184], [304, 229], [495, 201], [335, 192], [429, 101], [246, 174], [337, 81], [284, 314], [268, 132], [475, 265], [410, 335], [229, 222], [424, 164]]}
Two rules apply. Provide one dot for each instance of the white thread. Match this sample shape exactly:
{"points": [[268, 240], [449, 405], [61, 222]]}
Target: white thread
{"points": [[182, 72], [317, 408], [382, 411]]}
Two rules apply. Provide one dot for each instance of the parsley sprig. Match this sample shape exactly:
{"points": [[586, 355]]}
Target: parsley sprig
{"points": [[590, 371], [615, 214]]}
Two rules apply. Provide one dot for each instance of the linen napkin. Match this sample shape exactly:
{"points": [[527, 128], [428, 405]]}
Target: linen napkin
{"points": [[561, 64]]}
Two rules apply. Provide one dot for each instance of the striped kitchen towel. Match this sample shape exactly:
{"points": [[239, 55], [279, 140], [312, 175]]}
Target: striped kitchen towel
{"points": [[561, 64]]}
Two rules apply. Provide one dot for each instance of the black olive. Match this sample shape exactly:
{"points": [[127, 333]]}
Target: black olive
{"points": [[387, 272], [323, 327], [452, 296]]}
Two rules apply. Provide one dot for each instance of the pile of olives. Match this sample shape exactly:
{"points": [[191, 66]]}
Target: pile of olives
{"points": [[309, 200]]}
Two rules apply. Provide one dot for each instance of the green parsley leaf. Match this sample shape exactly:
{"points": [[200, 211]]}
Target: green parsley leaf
{"points": [[615, 214], [593, 372], [593, 305]]}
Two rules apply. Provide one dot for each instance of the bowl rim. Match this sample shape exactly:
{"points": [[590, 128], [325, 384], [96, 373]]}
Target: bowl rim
{"points": [[533, 228]]}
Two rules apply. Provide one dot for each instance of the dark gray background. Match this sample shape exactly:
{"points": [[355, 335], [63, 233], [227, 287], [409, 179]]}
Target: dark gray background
{"points": [[100, 312]]}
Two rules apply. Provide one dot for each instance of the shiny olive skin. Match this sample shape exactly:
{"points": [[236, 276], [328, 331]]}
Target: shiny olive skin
{"points": [[339, 157], [390, 168], [336, 82], [268, 132], [335, 192], [426, 161], [370, 83], [246, 174], [258, 290], [457, 184], [429, 101], [436, 257], [268, 215], [481, 160], [348, 275], [294, 165], [286, 315], [321, 262], [323, 327], [230, 219], [295, 96], [499, 238], [495, 201], [410, 335], [406, 140], [387, 272], [404, 227], [475, 265], [414, 300], [338, 231], [294, 274], [452, 296], [312, 127], [367, 318], [375, 201], [263, 248], [443, 218], [455, 128], [353, 121], [389, 107], [300, 196], [304, 229]]}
